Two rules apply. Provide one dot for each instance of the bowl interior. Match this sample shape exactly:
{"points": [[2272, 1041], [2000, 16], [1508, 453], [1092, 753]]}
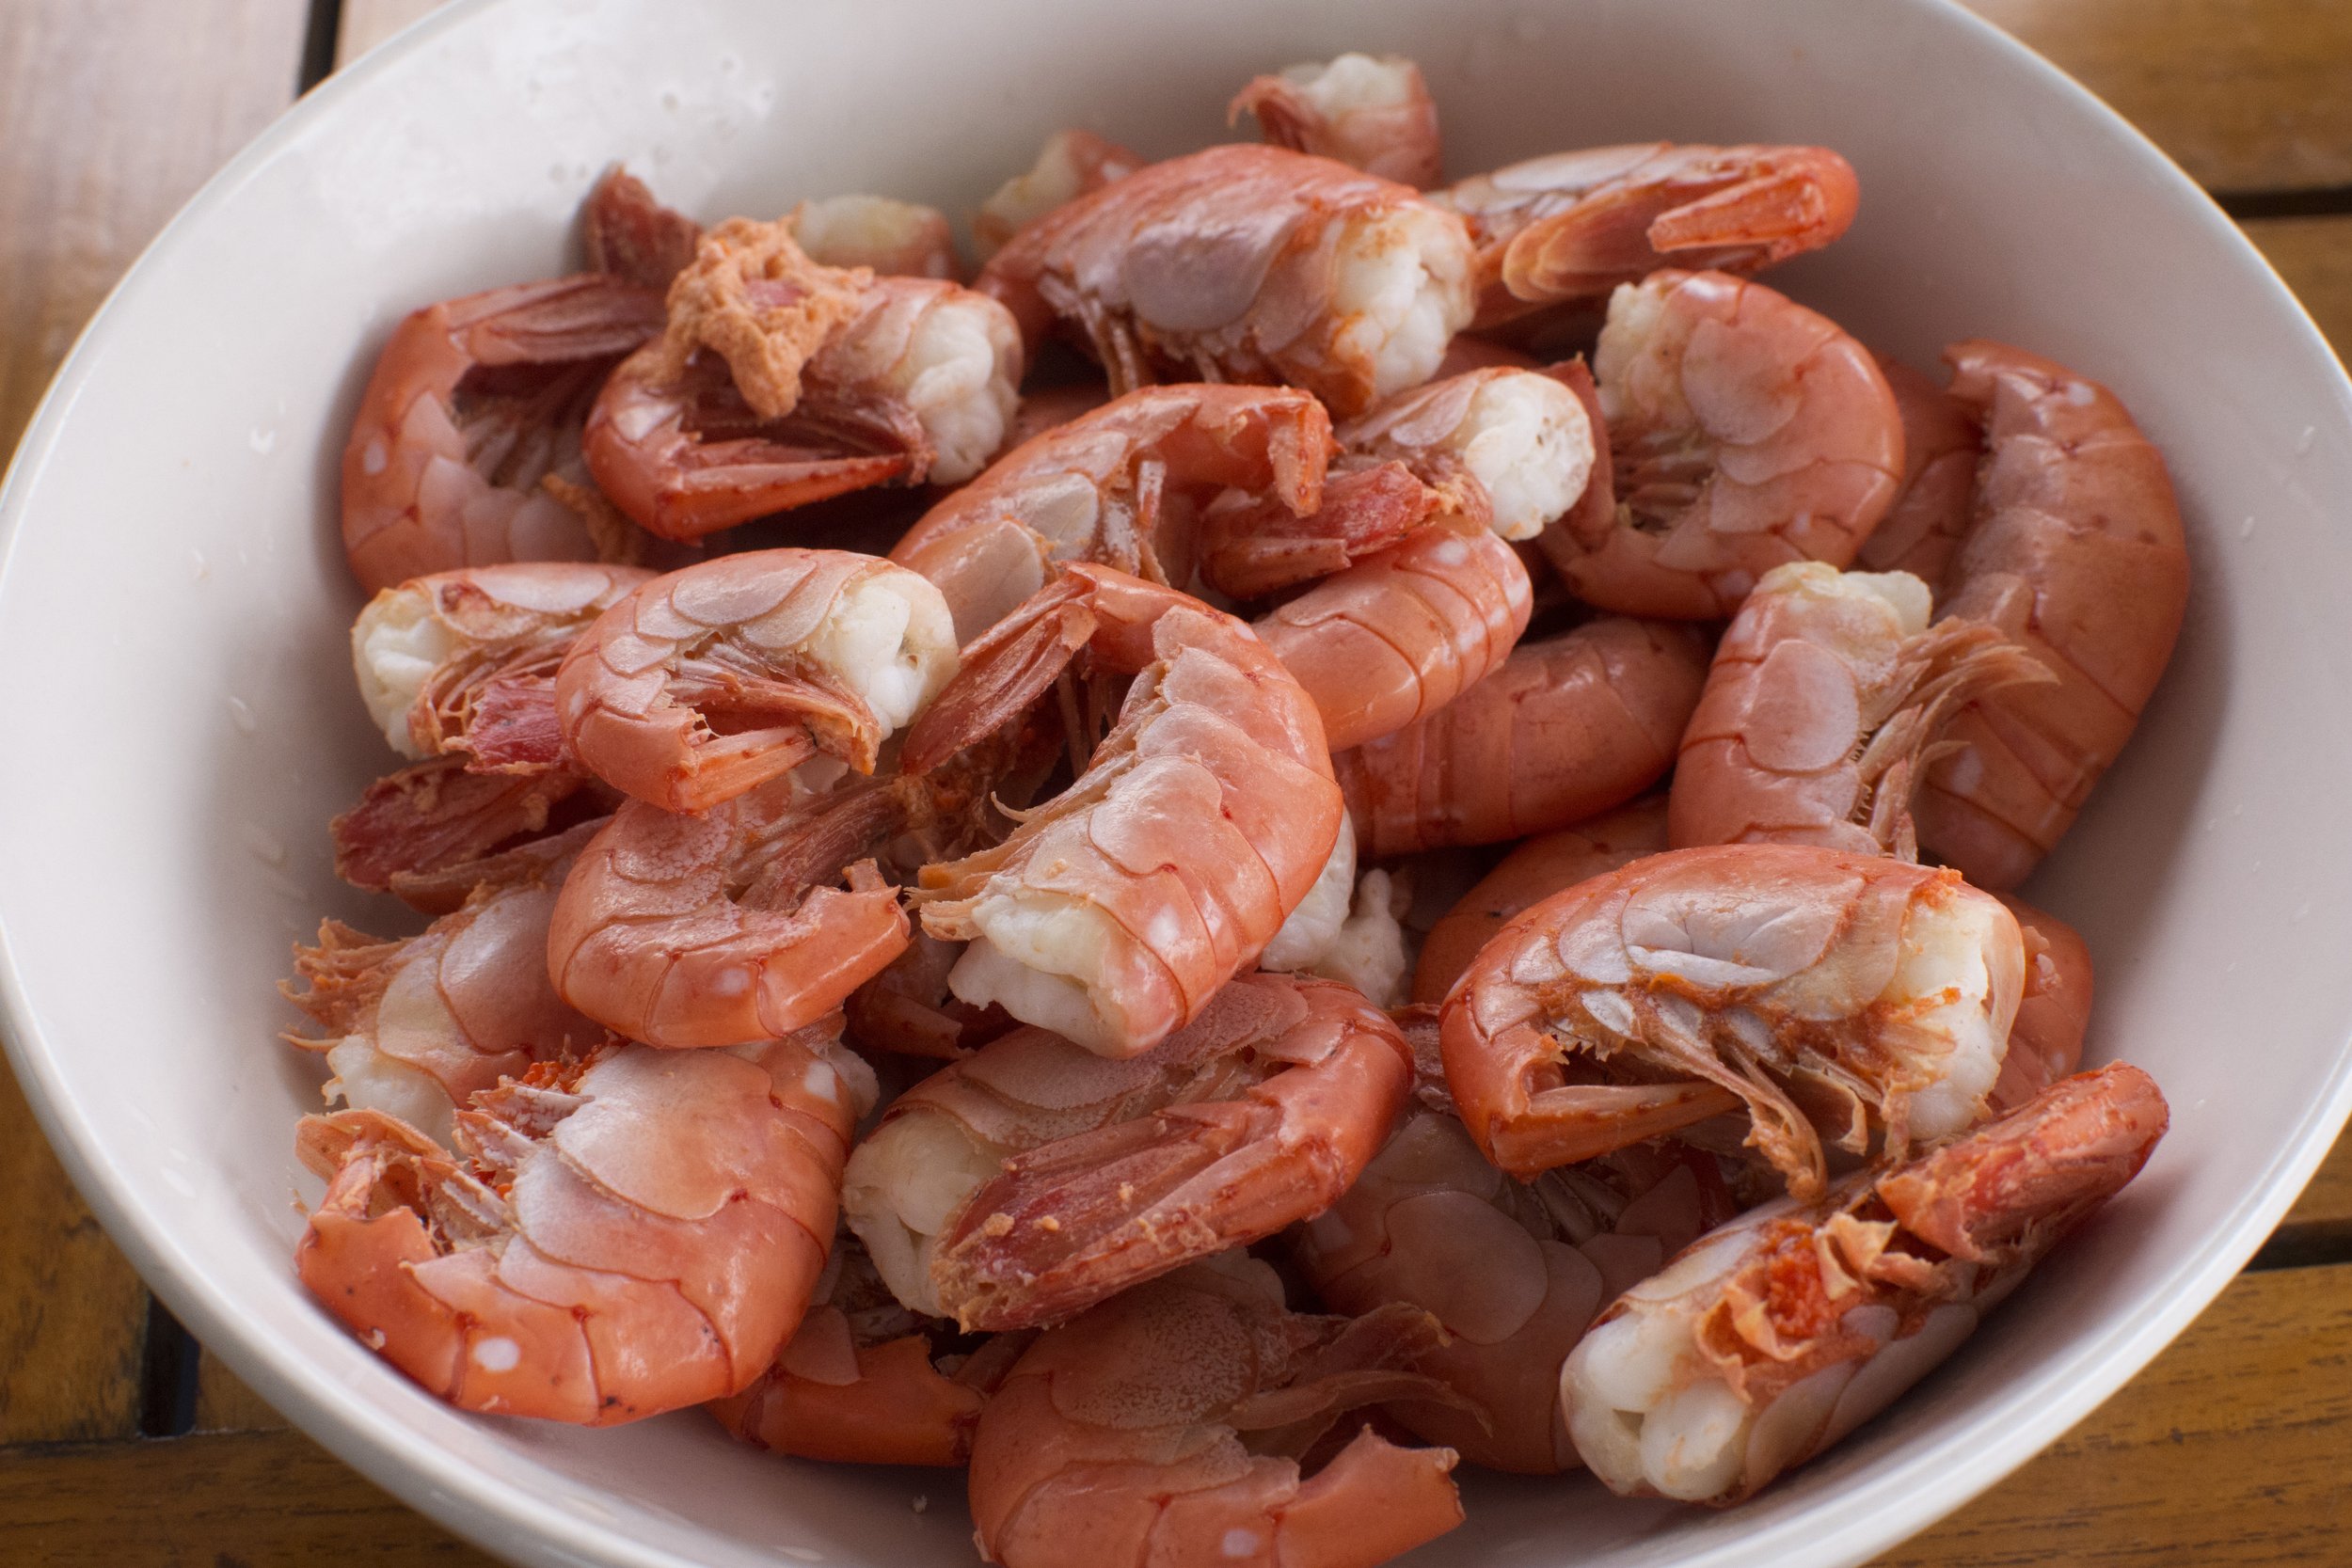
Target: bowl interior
{"points": [[174, 588]]}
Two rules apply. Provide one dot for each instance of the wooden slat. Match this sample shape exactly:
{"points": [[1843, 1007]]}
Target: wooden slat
{"points": [[2229, 1449], [225, 1404], [111, 112], [257, 1499], [2327, 1203], [367, 22], [2226, 1451], [2247, 95], [2315, 256]]}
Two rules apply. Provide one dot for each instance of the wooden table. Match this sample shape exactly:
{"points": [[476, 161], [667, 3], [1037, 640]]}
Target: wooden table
{"points": [[121, 1443]]}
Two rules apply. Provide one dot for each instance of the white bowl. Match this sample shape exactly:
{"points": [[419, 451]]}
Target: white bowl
{"points": [[183, 722]]}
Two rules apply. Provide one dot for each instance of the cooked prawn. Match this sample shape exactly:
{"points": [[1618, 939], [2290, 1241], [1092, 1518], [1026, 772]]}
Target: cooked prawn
{"points": [[1773, 1337], [1828, 692], [1031, 1179], [1119, 486], [1396, 637], [725, 926], [1744, 431], [2078, 553], [1838, 996], [1072, 163], [1247, 263], [897, 239], [909, 1009], [1348, 928], [2045, 1040], [465, 660], [1371, 114], [1115, 912], [1567, 727], [472, 404], [430, 831], [1044, 408], [616, 1237], [1118, 1440], [632, 235], [702, 684], [777, 382], [1543, 866], [1569, 227], [1522, 435], [1512, 1271], [413, 1026], [865, 1382], [1929, 516]]}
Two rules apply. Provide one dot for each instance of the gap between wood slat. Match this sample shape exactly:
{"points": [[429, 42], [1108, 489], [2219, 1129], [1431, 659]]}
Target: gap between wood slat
{"points": [[319, 40], [168, 1371], [2330, 201]]}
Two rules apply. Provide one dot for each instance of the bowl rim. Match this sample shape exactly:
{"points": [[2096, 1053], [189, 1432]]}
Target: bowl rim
{"points": [[492, 1511]]}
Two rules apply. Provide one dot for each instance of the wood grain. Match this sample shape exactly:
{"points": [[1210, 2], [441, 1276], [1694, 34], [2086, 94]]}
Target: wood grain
{"points": [[2229, 1449], [111, 112], [255, 1500], [2246, 95], [2315, 256], [223, 1404]]}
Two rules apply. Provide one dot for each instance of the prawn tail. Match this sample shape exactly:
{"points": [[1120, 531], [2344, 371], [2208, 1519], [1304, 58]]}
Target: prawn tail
{"points": [[1792, 206]]}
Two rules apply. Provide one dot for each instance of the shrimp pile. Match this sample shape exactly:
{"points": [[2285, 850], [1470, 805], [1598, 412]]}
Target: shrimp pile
{"points": [[1363, 885]]}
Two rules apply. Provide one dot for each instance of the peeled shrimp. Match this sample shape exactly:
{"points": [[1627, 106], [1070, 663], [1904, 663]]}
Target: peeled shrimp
{"points": [[615, 1238], [1567, 727], [1543, 866], [1118, 485], [414, 1025], [1773, 1337], [777, 382], [1922, 529], [704, 683], [1371, 114], [465, 660], [1838, 996], [1827, 691], [472, 404], [1570, 226], [2078, 553], [897, 239], [1072, 163], [1115, 912], [1514, 1270], [1118, 1440], [863, 1383], [1032, 1180], [1247, 263], [1744, 431]]}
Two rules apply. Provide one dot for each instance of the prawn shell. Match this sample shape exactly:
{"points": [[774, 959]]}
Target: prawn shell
{"points": [[2078, 553], [1567, 727]]}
